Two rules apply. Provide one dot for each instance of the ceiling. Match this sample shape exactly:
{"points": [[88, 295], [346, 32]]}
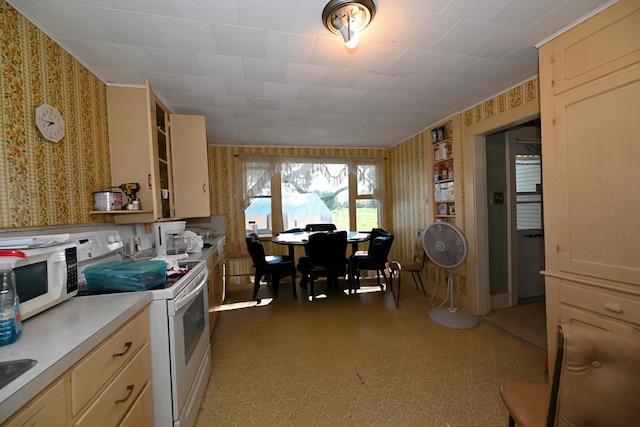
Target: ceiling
{"points": [[268, 73]]}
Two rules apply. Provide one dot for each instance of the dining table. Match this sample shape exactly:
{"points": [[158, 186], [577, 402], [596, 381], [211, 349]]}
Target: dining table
{"points": [[301, 238]]}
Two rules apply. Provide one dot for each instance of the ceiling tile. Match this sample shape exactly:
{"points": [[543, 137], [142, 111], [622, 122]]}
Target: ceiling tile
{"points": [[240, 41], [464, 36], [479, 10], [264, 70], [220, 65], [270, 73], [123, 27], [187, 35], [218, 11], [245, 88], [275, 15], [280, 91], [287, 47], [173, 61]]}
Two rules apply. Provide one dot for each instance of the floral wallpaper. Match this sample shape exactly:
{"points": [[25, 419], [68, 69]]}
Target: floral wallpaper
{"points": [[44, 183]]}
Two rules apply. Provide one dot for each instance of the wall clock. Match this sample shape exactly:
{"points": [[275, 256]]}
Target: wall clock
{"points": [[50, 122]]}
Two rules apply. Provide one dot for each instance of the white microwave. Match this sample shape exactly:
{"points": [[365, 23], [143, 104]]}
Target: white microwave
{"points": [[47, 277]]}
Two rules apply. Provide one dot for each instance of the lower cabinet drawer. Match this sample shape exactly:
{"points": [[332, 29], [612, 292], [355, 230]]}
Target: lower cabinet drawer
{"points": [[622, 307], [95, 370], [573, 315], [114, 402], [141, 413], [47, 409]]}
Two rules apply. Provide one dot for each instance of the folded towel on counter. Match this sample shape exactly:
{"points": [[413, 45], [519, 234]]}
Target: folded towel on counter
{"points": [[173, 267], [194, 242]]}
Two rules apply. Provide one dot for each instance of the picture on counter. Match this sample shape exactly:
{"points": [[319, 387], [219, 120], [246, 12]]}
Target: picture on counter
{"points": [[442, 209]]}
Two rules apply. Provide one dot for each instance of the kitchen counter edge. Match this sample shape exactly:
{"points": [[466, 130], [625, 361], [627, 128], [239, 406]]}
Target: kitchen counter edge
{"points": [[58, 338]]}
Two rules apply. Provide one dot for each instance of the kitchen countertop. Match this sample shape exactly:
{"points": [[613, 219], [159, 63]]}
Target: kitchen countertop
{"points": [[60, 337]]}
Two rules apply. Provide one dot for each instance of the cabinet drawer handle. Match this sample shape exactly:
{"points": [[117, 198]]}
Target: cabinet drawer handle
{"points": [[130, 389], [149, 181], [615, 307], [127, 346]]}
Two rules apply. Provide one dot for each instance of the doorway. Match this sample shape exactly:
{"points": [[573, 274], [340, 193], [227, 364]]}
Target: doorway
{"points": [[514, 215], [515, 232]]}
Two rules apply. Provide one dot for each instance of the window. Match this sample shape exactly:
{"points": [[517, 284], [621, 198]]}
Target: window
{"points": [[315, 193], [258, 193], [528, 192], [334, 191], [366, 210]]}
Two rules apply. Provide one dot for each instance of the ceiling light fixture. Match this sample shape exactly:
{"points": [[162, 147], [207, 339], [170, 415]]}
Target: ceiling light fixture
{"points": [[348, 18]]}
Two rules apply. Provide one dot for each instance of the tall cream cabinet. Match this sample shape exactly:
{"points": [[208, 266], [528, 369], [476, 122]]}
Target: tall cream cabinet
{"points": [[165, 153], [590, 99]]}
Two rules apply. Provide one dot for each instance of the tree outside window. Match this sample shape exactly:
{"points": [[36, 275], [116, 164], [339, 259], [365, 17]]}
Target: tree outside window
{"points": [[328, 191]]}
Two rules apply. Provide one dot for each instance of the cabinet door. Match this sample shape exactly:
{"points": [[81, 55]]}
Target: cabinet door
{"points": [[597, 173], [604, 44], [129, 140], [156, 127], [190, 166]]}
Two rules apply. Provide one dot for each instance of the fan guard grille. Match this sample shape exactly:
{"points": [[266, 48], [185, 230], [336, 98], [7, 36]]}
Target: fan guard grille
{"points": [[445, 244]]}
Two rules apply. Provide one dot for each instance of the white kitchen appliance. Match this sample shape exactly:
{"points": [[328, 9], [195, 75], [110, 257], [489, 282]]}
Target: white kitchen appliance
{"points": [[169, 238], [180, 348], [47, 276], [179, 318]]}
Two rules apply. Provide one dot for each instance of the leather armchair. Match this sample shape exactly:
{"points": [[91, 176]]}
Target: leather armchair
{"points": [[596, 383]]}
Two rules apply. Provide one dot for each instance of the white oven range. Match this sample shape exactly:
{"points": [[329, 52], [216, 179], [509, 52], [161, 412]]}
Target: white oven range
{"points": [[179, 319], [180, 348]]}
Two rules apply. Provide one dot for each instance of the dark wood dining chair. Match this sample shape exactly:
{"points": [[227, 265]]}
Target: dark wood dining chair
{"points": [[375, 258], [320, 227], [327, 257], [273, 266]]}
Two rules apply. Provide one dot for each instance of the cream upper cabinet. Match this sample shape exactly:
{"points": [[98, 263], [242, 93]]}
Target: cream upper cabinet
{"points": [[588, 54], [190, 166], [170, 164]]}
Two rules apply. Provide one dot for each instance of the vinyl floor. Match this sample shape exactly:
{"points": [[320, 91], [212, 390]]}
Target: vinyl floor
{"points": [[356, 360]]}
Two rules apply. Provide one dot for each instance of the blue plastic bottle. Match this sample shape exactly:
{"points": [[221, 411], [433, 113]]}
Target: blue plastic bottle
{"points": [[10, 321]]}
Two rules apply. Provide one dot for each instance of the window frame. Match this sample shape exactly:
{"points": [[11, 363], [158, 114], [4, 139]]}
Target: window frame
{"points": [[276, 186]]}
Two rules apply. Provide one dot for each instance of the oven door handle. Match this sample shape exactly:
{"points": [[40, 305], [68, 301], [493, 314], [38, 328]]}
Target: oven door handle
{"points": [[190, 295]]}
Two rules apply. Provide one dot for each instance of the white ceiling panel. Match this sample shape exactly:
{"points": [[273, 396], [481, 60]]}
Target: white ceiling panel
{"points": [[269, 73]]}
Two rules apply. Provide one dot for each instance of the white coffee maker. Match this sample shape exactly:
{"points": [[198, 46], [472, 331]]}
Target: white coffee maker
{"points": [[170, 239]]}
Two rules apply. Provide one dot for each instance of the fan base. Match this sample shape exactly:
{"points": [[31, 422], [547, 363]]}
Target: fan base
{"points": [[456, 319]]}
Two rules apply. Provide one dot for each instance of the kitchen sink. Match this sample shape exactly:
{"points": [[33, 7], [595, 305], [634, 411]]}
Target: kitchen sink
{"points": [[12, 369]]}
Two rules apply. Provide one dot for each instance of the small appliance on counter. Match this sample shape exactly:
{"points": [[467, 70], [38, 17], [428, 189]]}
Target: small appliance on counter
{"points": [[170, 239], [131, 190], [107, 200]]}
